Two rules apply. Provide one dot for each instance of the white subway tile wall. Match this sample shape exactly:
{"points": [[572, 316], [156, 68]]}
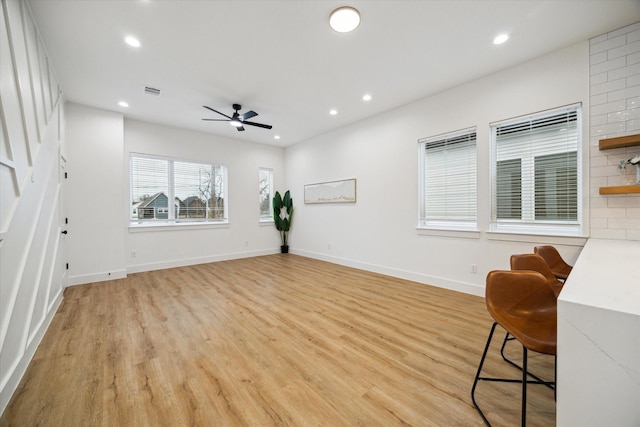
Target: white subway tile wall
{"points": [[614, 111]]}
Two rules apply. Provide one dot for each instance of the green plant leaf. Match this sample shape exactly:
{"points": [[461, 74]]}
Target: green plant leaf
{"points": [[277, 200]]}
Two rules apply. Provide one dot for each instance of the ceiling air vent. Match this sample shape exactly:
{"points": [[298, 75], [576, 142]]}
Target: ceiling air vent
{"points": [[151, 91]]}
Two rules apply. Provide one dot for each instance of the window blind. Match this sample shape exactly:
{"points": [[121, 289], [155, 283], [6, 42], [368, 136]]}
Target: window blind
{"points": [[149, 188], [171, 190], [449, 178], [536, 169]]}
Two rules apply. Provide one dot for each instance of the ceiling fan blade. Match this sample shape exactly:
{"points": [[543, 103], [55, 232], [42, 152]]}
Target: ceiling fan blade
{"points": [[247, 115], [240, 128], [216, 120], [216, 111], [260, 125]]}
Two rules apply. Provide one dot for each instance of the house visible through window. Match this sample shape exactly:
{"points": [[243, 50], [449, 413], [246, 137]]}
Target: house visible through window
{"points": [[448, 181], [265, 193], [197, 191], [536, 171]]}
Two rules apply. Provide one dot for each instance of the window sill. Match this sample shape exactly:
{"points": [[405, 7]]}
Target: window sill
{"points": [[137, 228], [542, 237], [448, 232]]}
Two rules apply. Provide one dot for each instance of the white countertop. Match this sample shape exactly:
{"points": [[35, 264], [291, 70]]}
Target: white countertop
{"points": [[606, 275], [598, 368]]}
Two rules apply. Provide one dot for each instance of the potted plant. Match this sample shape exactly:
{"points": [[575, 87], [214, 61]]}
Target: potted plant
{"points": [[282, 214]]}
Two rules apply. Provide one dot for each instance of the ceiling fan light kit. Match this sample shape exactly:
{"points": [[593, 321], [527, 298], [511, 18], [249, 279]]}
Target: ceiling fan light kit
{"points": [[238, 120], [343, 20]]}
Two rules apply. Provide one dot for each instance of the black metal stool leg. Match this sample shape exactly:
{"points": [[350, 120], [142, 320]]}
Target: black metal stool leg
{"points": [[524, 380], [475, 381], [508, 337], [524, 386]]}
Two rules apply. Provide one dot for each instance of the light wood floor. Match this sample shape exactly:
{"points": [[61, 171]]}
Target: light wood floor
{"points": [[275, 340]]}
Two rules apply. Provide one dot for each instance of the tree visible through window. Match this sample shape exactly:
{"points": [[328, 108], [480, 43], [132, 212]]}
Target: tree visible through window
{"points": [[176, 191], [265, 192]]}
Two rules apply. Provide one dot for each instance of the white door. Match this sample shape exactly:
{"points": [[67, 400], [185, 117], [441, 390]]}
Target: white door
{"points": [[64, 223]]}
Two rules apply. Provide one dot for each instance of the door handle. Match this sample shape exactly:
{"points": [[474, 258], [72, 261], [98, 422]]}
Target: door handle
{"points": [[64, 231]]}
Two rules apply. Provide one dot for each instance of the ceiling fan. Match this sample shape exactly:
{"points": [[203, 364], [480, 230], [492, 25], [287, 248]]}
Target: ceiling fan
{"points": [[238, 120]]}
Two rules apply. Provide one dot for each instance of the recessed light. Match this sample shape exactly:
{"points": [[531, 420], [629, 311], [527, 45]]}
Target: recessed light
{"points": [[132, 41], [344, 19], [333, 112], [276, 137], [501, 39], [366, 97], [123, 104]]}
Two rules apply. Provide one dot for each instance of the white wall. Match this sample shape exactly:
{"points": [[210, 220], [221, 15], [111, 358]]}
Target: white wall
{"points": [[101, 244], [31, 141], [244, 236], [94, 194], [615, 111], [379, 231]]}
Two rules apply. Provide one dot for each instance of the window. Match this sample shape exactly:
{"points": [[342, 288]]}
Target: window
{"points": [[265, 193], [509, 192], [448, 181], [197, 191], [535, 173]]}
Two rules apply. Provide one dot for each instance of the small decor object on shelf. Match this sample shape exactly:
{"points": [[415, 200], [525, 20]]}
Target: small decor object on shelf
{"points": [[635, 161], [282, 214]]}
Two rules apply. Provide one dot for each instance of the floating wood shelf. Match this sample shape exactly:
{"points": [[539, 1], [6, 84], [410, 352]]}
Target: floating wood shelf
{"points": [[620, 189], [619, 142]]}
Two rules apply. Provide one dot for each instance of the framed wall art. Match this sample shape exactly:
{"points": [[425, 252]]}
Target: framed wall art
{"points": [[343, 191]]}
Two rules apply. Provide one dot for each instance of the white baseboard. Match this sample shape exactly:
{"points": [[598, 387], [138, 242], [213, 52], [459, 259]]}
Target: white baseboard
{"points": [[467, 288], [97, 277], [17, 371], [139, 268]]}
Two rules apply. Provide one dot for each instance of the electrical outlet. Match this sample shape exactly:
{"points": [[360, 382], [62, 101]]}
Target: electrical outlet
{"points": [[246, 243], [133, 254], [328, 245], [473, 269]]}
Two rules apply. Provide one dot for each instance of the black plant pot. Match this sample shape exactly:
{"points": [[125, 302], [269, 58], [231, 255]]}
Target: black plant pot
{"points": [[284, 249]]}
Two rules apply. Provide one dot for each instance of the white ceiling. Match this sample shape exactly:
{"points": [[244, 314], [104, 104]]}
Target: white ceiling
{"points": [[281, 59]]}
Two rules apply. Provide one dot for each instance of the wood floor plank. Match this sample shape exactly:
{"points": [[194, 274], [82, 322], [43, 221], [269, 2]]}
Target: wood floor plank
{"points": [[278, 340]]}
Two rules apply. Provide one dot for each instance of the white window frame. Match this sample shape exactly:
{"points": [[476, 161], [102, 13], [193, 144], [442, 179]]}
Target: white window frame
{"points": [[528, 224], [172, 221], [268, 216], [449, 222]]}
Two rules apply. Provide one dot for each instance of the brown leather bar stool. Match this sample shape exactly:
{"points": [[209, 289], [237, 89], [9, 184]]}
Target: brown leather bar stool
{"points": [[554, 260], [522, 303], [531, 262], [534, 262]]}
